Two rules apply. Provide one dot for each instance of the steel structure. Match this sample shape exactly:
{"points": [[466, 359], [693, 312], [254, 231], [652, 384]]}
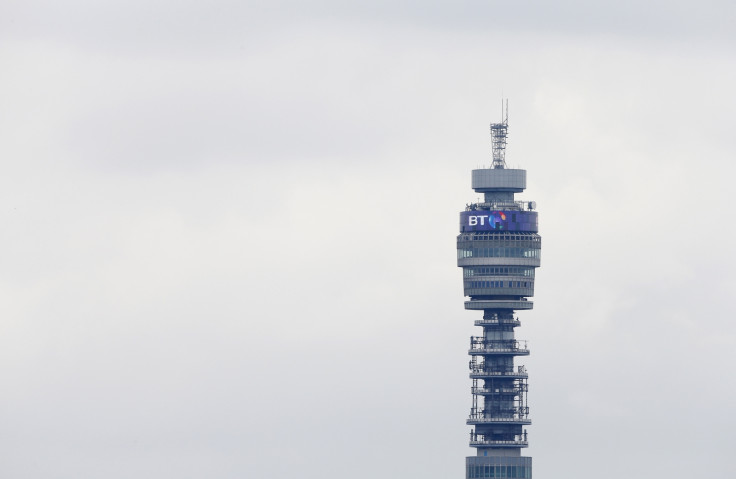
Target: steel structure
{"points": [[498, 249], [499, 132]]}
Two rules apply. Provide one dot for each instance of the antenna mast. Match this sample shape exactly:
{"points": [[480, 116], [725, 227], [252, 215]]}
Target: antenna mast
{"points": [[498, 137]]}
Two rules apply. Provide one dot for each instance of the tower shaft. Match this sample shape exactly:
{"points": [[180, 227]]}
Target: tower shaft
{"points": [[499, 251]]}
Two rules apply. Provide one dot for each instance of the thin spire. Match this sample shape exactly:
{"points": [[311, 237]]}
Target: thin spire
{"points": [[498, 137]]}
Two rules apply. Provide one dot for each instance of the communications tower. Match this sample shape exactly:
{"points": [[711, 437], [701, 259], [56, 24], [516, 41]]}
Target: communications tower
{"points": [[498, 249]]}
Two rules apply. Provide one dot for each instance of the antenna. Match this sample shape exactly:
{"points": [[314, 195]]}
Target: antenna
{"points": [[498, 137]]}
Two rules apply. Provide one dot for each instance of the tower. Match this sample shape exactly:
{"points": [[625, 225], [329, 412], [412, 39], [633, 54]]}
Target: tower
{"points": [[498, 249]]}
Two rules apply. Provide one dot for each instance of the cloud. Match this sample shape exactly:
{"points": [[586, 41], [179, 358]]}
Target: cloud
{"points": [[229, 233]]}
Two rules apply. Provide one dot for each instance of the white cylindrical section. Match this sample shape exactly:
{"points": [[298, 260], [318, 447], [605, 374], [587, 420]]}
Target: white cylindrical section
{"points": [[498, 179]]}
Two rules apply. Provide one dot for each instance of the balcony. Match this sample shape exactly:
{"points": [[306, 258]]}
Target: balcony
{"points": [[515, 391], [498, 322], [483, 440], [516, 418], [507, 205], [480, 346], [479, 371], [492, 443]]}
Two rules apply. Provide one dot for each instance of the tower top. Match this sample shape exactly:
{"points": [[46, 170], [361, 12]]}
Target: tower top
{"points": [[498, 137]]}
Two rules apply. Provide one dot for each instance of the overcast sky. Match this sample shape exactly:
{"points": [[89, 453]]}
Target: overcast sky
{"points": [[228, 241]]}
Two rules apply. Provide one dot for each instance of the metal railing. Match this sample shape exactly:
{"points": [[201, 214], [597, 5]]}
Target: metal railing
{"points": [[489, 322], [515, 420], [511, 414], [481, 370], [501, 205], [491, 442], [480, 344], [491, 391], [496, 349]]}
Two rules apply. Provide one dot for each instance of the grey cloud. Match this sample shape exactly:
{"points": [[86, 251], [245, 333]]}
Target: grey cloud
{"points": [[226, 27], [237, 263]]}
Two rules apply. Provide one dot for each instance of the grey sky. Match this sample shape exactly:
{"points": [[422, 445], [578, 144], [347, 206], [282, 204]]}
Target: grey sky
{"points": [[228, 245]]}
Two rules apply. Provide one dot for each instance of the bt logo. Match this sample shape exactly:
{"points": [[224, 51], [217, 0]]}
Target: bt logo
{"points": [[493, 219]]}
